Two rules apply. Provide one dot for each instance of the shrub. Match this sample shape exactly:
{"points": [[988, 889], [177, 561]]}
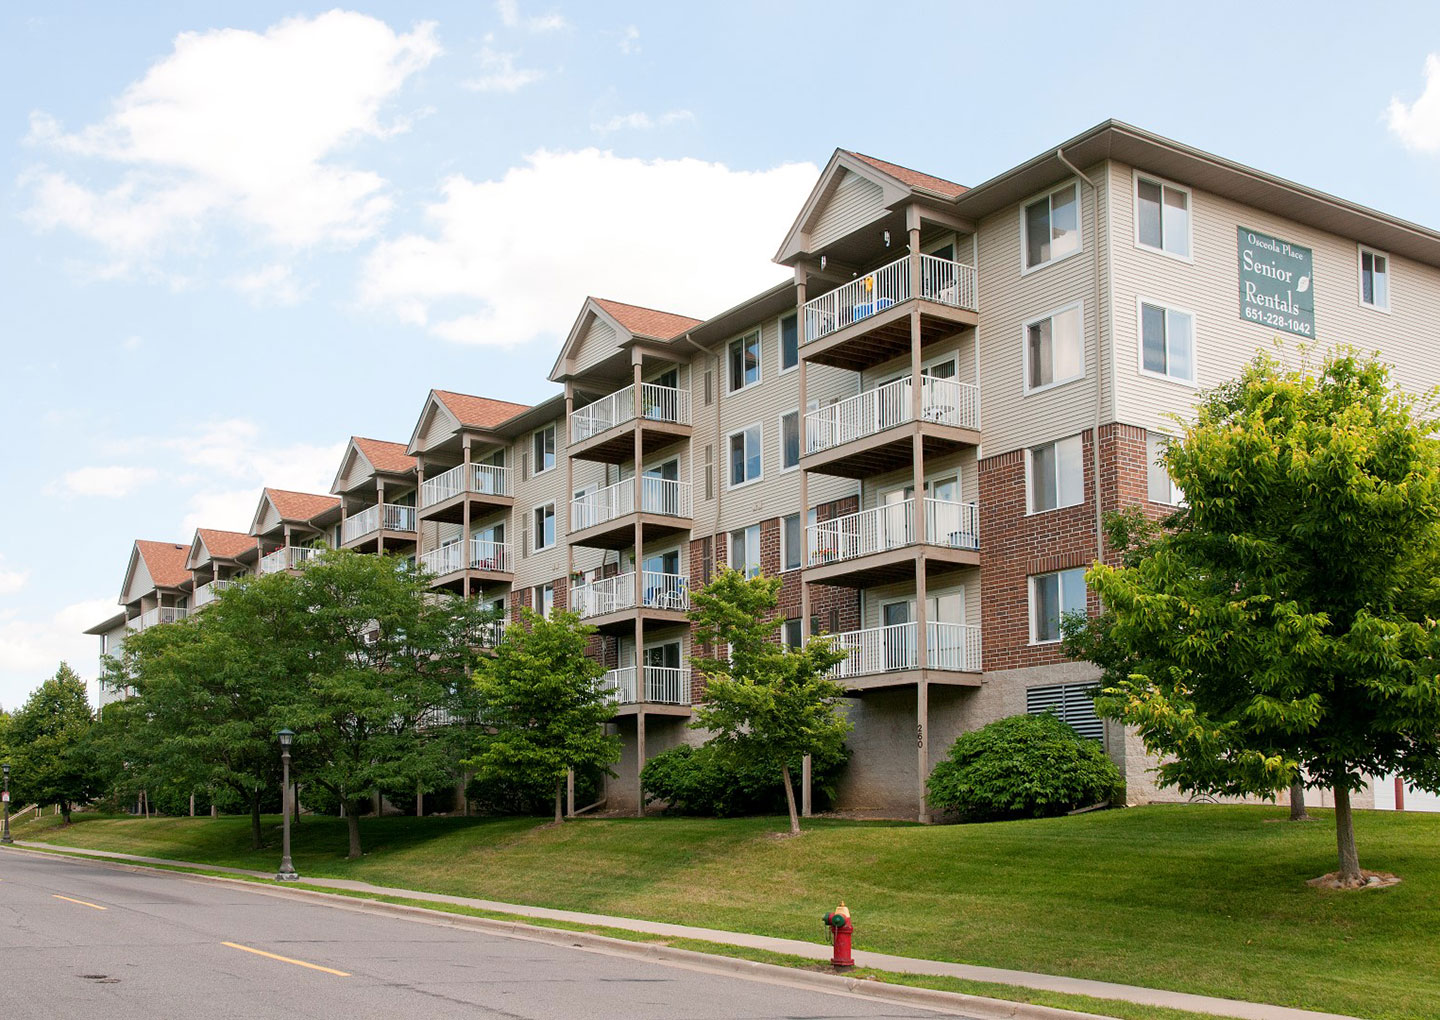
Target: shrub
{"points": [[716, 780], [1026, 766]]}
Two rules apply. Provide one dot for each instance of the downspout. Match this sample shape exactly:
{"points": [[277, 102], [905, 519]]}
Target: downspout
{"points": [[1095, 442]]}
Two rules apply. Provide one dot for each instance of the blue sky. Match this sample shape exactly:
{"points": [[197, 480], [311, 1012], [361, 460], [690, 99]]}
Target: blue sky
{"points": [[234, 235]]}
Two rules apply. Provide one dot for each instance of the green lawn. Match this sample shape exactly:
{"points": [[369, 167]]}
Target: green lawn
{"points": [[1205, 899]]}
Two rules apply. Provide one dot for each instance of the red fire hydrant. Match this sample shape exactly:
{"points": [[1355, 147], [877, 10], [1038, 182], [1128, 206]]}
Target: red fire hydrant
{"points": [[840, 932]]}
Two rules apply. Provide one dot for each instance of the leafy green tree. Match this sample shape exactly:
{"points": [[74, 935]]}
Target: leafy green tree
{"points": [[51, 760], [767, 701], [1286, 621], [543, 707]]}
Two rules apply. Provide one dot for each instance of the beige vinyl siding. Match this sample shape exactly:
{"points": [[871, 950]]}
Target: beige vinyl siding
{"points": [[1010, 418], [440, 426], [962, 464], [140, 582], [597, 342], [532, 490], [1224, 342], [960, 346], [855, 202], [269, 520], [871, 599]]}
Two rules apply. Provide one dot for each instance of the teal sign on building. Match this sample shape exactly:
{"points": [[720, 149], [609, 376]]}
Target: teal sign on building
{"points": [[1277, 283]]}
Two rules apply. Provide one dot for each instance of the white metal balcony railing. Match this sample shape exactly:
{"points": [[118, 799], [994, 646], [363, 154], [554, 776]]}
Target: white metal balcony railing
{"points": [[943, 281], [289, 557], [484, 555], [664, 685], [657, 495], [485, 480], [385, 516], [944, 401], [205, 594], [151, 617], [892, 526], [949, 646], [657, 403], [614, 594]]}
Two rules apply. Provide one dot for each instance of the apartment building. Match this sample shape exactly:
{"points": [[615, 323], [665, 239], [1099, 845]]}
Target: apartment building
{"points": [[920, 434]]}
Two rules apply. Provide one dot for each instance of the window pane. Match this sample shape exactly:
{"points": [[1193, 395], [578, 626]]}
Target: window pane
{"points": [[1042, 478], [792, 633], [790, 439], [791, 537], [1382, 281], [1064, 222], [1180, 344], [1072, 591], [1177, 222], [737, 458], [1367, 278], [1152, 338], [1157, 478], [752, 452], [1069, 472], [1045, 602], [752, 359], [789, 342], [1069, 345], [1037, 233], [1039, 344], [1147, 213]]}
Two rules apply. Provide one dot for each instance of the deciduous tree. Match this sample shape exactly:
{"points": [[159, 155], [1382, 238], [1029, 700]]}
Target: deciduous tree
{"points": [[50, 756]]}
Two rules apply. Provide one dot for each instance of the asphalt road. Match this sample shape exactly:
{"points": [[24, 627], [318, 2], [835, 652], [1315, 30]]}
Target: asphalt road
{"points": [[80, 941]]}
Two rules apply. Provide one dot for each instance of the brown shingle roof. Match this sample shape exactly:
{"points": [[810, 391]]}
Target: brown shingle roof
{"points": [[479, 412], [225, 545], [647, 322], [165, 561], [384, 456], [300, 506], [914, 178]]}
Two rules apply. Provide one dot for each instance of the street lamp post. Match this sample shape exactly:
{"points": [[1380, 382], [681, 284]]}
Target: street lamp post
{"points": [[287, 870], [5, 836]]}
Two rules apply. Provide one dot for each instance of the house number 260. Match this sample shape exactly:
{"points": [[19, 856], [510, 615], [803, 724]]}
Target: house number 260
{"points": [[919, 736]]}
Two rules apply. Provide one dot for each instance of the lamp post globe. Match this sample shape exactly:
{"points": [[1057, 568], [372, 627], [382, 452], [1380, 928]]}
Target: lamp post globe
{"points": [[287, 871]]}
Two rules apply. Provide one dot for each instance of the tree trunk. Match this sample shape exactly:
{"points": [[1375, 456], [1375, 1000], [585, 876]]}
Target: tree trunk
{"points": [[790, 799], [65, 811], [352, 823], [255, 820], [1297, 801], [1345, 835]]}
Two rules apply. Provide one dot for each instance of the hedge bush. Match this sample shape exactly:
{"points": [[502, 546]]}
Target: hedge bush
{"points": [[716, 780], [1026, 766]]}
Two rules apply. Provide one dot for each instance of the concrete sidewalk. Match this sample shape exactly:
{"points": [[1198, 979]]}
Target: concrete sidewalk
{"points": [[792, 947]]}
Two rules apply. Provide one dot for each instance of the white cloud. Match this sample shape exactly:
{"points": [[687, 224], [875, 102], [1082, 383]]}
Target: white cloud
{"points": [[227, 510], [32, 649], [115, 480], [236, 127], [630, 40], [499, 73], [1418, 124], [12, 581], [131, 343], [509, 11], [640, 121], [273, 284], [683, 235]]}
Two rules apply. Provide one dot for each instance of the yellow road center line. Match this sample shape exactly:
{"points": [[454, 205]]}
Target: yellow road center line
{"points": [[285, 959], [83, 903]]}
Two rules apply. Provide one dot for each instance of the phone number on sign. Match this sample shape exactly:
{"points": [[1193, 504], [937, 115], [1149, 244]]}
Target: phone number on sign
{"points": [[1269, 318]]}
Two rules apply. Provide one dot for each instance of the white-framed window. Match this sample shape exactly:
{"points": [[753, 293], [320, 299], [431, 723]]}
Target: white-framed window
{"points": [[1167, 342], [744, 361], [545, 599], [1056, 475], [1073, 704], [789, 327], [745, 550], [1050, 227], [790, 542], [1052, 596], [1161, 487], [1374, 279], [1162, 216], [1055, 348], [791, 633], [790, 440], [544, 526], [543, 444], [746, 463]]}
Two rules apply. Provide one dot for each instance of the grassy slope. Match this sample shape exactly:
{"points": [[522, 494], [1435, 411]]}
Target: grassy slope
{"points": [[1204, 899]]}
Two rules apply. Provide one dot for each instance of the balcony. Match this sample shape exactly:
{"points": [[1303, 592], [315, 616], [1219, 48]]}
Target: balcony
{"points": [[205, 594], [442, 498], [489, 561], [599, 431], [610, 601], [867, 321], [606, 518], [870, 433], [161, 614], [878, 546], [890, 656], [289, 557], [666, 689], [370, 523]]}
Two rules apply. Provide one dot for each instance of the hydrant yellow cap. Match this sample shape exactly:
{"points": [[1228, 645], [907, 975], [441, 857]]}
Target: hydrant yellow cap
{"points": [[843, 910]]}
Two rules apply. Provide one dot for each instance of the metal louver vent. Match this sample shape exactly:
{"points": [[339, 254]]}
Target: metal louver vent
{"points": [[1070, 703]]}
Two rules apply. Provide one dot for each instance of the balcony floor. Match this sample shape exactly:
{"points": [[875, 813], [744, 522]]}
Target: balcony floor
{"points": [[891, 565], [634, 708], [859, 685], [617, 445], [369, 542], [622, 621], [619, 533], [885, 335], [452, 510], [454, 581], [888, 450]]}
